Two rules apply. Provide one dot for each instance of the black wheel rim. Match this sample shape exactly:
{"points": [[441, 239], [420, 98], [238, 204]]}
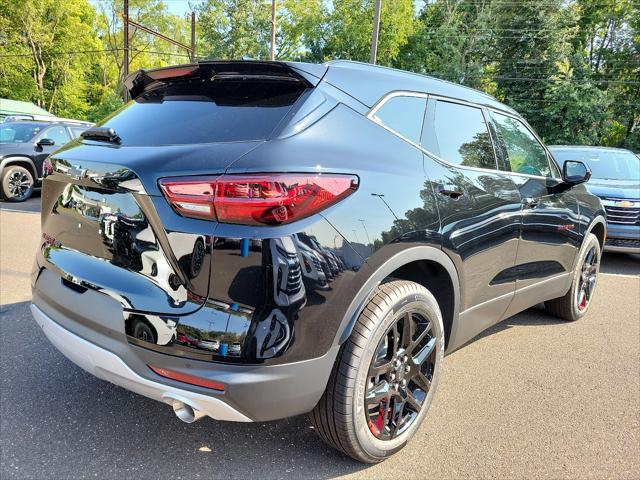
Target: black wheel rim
{"points": [[400, 376], [587, 279], [19, 184]]}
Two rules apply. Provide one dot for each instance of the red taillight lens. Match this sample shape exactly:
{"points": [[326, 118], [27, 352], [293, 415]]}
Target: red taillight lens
{"points": [[265, 199], [185, 378], [192, 197]]}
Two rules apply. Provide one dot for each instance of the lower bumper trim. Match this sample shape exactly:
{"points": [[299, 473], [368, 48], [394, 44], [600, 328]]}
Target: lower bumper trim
{"points": [[108, 366]]}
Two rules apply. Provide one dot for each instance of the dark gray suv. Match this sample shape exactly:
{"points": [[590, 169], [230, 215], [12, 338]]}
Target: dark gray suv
{"points": [[24, 145]]}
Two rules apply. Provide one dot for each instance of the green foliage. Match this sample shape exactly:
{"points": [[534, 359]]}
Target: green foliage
{"points": [[349, 25], [571, 67], [34, 31]]}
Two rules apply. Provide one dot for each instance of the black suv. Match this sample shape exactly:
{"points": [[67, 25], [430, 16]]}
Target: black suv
{"points": [[254, 240], [24, 145]]}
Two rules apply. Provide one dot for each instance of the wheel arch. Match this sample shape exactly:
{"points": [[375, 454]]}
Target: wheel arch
{"points": [[426, 265], [21, 160], [599, 228]]}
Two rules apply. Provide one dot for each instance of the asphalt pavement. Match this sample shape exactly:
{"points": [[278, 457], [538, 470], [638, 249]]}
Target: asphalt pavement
{"points": [[533, 397]]}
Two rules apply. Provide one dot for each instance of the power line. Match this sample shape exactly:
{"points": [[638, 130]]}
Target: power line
{"points": [[82, 52]]}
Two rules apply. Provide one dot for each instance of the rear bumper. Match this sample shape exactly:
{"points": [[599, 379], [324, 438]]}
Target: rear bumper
{"points": [[107, 366], [88, 329]]}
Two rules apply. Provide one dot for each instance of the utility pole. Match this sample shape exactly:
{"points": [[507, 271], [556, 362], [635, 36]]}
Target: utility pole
{"points": [[191, 50], [273, 30], [193, 36], [376, 29], [125, 93]]}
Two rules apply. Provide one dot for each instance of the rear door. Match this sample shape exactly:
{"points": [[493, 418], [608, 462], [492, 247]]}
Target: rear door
{"points": [[479, 210], [550, 233]]}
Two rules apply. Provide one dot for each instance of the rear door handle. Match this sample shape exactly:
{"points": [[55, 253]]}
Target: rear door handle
{"points": [[530, 202], [450, 191]]}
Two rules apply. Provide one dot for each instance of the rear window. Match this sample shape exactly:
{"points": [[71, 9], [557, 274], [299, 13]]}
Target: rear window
{"points": [[193, 111]]}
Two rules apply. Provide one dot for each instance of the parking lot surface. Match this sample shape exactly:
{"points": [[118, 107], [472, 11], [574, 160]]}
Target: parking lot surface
{"points": [[533, 397]]}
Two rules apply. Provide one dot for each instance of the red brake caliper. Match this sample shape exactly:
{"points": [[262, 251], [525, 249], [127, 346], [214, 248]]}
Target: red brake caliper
{"points": [[377, 427]]}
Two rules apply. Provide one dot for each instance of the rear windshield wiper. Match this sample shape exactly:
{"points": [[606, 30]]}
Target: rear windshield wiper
{"points": [[102, 134]]}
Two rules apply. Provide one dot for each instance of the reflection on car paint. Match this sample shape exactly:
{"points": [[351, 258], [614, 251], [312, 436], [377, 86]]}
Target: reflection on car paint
{"points": [[264, 326]]}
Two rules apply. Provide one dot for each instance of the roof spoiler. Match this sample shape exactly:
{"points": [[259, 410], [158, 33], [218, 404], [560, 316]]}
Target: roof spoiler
{"points": [[143, 80]]}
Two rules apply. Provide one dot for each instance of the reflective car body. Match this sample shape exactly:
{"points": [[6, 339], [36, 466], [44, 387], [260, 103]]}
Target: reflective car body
{"points": [[487, 242]]}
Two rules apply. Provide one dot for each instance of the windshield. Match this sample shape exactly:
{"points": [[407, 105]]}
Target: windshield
{"points": [[18, 132], [604, 164]]}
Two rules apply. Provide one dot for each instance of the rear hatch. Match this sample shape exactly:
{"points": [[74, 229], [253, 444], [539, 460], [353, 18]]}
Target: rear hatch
{"points": [[106, 225]]}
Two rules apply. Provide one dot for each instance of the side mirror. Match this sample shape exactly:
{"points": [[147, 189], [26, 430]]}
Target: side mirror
{"points": [[575, 172], [46, 142]]}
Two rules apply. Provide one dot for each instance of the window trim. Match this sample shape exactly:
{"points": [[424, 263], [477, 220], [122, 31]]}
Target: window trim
{"points": [[371, 115], [527, 127], [408, 93], [486, 125]]}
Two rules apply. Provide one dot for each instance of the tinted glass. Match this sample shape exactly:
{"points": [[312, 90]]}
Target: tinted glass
{"points": [[18, 132], [214, 111], [461, 136], [58, 134], [524, 152], [604, 164], [403, 115]]}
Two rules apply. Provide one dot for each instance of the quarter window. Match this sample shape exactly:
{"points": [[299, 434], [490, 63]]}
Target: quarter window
{"points": [[403, 115], [57, 134], [461, 136], [525, 154]]}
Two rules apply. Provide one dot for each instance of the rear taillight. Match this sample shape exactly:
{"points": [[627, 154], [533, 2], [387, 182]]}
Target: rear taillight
{"points": [[257, 199]]}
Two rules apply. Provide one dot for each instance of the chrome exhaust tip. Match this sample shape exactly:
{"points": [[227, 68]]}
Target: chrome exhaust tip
{"points": [[186, 412]]}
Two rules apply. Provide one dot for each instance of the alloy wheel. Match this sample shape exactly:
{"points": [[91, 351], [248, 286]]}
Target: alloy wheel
{"points": [[587, 279], [400, 375], [19, 184]]}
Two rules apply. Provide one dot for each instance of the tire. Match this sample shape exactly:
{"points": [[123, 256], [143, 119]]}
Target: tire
{"points": [[340, 417], [143, 331], [573, 305], [17, 183]]}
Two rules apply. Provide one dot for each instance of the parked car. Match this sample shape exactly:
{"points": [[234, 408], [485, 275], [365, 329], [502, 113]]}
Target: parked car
{"points": [[615, 179], [24, 145], [477, 224], [212, 345]]}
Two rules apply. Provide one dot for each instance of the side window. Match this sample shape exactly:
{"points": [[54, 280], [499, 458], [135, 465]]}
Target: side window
{"points": [[460, 136], [525, 154], [403, 115], [58, 134]]}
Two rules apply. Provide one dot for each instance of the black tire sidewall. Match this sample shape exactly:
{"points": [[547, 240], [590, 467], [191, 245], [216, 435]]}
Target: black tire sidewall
{"points": [[5, 183], [421, 302], [590, 242]]}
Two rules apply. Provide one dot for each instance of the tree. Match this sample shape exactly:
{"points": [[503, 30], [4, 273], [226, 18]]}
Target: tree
{"points": [[451, 41], [145, 50], [235, 29], [44, 37], [350, 24]]}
